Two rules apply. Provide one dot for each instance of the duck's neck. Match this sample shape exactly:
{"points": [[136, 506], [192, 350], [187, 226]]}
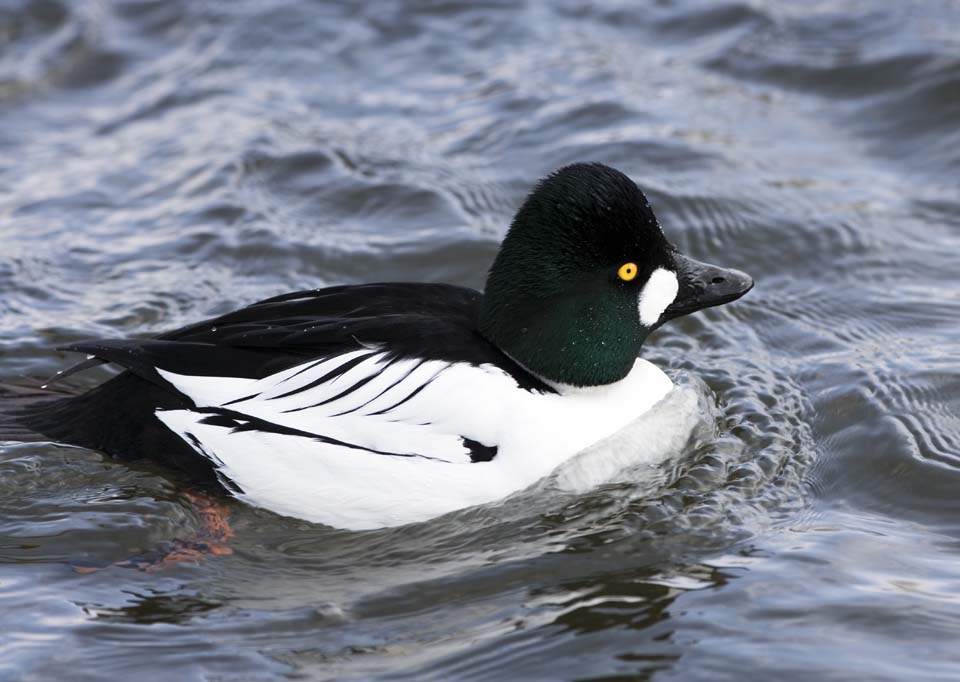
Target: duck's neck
{"points": [[643, 378]]}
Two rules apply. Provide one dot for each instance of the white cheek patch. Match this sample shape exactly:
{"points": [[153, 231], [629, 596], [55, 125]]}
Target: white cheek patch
{"points": [[657, 294]]}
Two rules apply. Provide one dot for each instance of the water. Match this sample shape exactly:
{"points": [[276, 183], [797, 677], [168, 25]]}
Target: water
{"points": [[164, 161]]}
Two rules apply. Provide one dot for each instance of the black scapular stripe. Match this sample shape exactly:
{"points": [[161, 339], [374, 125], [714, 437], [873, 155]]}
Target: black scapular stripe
{"points": [[238, 422], [414, 393], [334, 373], [383, 392], [347, 391]]}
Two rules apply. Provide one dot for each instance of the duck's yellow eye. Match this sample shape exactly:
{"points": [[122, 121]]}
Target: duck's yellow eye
{"points": [[627, 271]]}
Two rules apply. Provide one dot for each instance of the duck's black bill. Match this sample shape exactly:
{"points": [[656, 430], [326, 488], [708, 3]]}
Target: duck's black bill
{"points": [[703, 286]]}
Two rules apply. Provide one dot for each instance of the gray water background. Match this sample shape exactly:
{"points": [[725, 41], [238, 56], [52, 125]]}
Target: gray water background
{"points": [[162, 161]]}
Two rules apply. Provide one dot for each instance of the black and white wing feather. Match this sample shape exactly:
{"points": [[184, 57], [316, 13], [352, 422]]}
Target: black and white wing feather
{"points": [[407, 320], [341, 385]]}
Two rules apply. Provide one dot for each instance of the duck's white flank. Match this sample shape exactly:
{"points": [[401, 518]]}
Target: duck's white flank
{"points": [[390, 443]]}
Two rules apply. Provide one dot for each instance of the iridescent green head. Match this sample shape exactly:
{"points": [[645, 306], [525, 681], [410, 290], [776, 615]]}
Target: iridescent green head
{"points": [[585, 274]]}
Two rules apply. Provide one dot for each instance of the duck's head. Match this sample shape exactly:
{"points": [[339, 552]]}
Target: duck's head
{"points": [[585, 274]]}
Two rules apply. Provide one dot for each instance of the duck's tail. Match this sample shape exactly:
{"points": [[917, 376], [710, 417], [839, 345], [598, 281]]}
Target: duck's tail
{"points": [[20, 402], [29, 413], [118, 417]]}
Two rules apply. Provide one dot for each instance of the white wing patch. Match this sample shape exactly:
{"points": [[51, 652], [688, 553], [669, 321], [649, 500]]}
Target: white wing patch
{"points": [[361, 398]]}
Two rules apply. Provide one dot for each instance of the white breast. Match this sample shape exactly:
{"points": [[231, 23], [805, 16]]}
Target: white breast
{"points": [[382, 443]]}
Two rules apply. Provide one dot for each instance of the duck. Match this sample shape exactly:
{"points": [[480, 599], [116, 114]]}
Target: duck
{"points": [[375, 405]]}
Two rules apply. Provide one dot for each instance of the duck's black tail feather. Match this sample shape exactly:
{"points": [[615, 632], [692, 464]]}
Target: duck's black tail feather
{"points": [[117, 418], [31, 414], [17, 401]]}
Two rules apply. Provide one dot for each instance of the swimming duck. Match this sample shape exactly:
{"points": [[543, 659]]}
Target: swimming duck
{"points": [[376, 405]]}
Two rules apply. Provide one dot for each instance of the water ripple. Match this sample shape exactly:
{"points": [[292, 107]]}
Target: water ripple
{"points": [[163, 161]]}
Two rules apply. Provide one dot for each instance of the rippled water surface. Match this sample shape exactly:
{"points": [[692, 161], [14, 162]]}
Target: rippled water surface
{"points": [[162, 161]]}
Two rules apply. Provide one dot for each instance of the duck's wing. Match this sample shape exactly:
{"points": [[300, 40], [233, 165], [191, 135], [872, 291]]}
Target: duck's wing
{"points": [[407, 320], [316, 384], [363, 400], [435, 321]]}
